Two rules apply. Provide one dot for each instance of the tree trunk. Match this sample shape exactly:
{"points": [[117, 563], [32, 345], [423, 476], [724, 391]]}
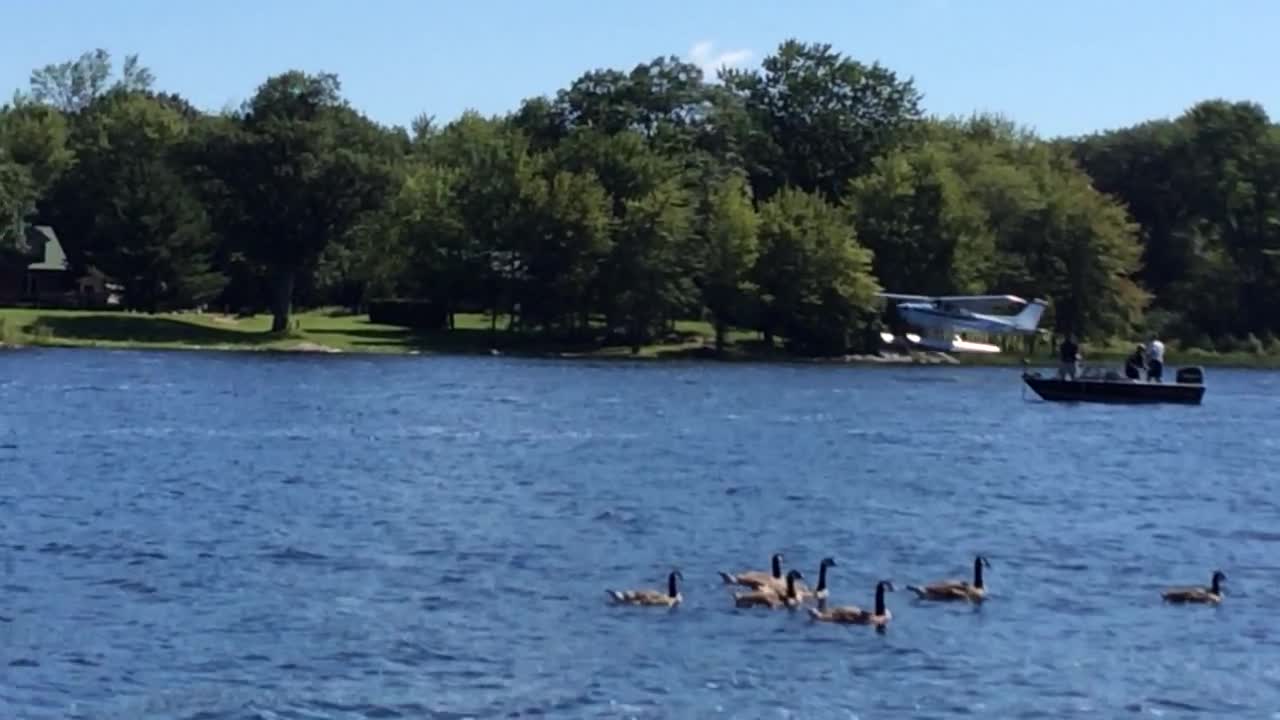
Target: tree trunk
{"points": [[282, 299], [153, 294], [636, 340], [720, 333]]}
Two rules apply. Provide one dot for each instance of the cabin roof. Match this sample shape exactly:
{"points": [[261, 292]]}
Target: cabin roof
{"points": [[54, 257]]}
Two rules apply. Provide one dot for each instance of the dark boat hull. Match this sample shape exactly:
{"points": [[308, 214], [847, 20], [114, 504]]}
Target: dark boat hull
{"points": [[1114, 391]]}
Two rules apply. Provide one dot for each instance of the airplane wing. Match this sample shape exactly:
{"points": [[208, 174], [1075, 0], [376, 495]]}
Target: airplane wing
{"points": [[984, 300], [901, 296], [973, 303]]}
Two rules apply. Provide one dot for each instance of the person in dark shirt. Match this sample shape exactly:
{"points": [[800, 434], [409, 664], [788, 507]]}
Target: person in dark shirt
{"points": [[1069, 356], [1136, 363]]}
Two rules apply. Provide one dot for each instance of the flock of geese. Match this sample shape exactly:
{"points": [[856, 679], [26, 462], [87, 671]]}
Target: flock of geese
{"points": [[775, 590]]}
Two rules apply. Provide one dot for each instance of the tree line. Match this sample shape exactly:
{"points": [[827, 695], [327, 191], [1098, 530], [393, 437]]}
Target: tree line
{"points": [[780, 198]]}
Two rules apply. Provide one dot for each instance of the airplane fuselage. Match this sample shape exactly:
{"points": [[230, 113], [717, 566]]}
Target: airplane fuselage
{"points": [[929, 317], [940, 320]]}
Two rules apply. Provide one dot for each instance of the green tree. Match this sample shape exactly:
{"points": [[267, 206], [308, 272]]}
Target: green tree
{"points": [[130, 210], [625, 164], [37, 137], [495, 173], [361, 262], [644, 274], [17, 203], [729, 246], [73, 85], [815, 279], [979, 205], [927, 233], [33, 154], [1205, 191], [1079, 249], [654, 247], [425, 222], [665, 100], [564, 245], [305, 170], [623, 196], [816, 119]]}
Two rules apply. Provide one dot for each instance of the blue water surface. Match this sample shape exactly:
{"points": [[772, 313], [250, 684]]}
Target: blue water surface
{"points": [[192, 535]]}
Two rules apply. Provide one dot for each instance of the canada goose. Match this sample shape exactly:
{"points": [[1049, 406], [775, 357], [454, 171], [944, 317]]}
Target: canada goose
{"points": [[649, 596], [767, 597], [803, 593], [819, 593], [1211, 594], [757, 579], [956, 589], [854, 615]]}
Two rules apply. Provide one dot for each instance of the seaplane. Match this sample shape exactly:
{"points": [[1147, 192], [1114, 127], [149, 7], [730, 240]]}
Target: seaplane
{"points": [[940, 319]]}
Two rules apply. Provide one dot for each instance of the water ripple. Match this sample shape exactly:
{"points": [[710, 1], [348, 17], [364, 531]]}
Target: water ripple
{"points": [[413, 537]]}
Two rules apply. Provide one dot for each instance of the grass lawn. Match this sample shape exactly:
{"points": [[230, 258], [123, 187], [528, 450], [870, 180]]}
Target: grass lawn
{"points": [[335, 330], [314, 330]]}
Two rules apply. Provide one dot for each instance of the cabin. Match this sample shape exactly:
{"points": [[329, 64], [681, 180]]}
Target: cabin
{"points": [[97, 289], [39, 273]]}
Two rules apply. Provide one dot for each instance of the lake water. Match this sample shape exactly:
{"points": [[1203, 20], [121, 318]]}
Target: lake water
{"points": [[189, 535]]}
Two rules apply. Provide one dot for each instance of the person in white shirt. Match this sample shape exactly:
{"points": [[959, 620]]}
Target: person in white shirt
{"points": [[1155, 360]]}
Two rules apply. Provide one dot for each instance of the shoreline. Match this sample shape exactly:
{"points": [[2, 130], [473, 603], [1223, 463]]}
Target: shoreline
{"points": [[887, 360], [308, 348], [321, 333]]}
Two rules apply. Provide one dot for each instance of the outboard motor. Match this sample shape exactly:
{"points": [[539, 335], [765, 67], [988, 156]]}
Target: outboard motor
{"points": [[1190, 376]]}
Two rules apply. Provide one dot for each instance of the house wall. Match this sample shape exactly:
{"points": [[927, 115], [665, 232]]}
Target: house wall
{"points": [[46, 285], [48, 288]]}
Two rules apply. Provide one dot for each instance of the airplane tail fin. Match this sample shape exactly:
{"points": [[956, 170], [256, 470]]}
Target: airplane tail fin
{"points": [[1029, 318]]}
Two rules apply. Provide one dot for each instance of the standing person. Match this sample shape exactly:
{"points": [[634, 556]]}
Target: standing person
{"points": [[1069, 357], [1155, 360], [1134, 366]]}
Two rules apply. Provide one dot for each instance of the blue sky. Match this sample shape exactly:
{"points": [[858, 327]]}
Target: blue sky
{"points": [[1060, 68]]}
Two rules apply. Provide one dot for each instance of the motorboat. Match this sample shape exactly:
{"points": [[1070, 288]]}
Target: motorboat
{"points": [[1108, 386]]}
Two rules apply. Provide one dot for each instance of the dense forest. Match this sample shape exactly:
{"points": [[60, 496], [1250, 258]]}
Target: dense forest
{"points": [[779, 199]]}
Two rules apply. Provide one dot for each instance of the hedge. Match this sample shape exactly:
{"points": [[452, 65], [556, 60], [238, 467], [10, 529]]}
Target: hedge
{"points": [[418, 314]]}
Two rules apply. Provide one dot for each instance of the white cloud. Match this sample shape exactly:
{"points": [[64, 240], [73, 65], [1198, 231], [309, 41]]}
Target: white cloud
{"points": [[704, 56]]}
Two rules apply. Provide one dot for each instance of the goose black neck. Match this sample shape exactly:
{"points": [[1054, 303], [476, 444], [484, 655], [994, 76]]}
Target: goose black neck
{"points": [[1217, 585], [777, 566], [671, 585], [880, 599], [791, 587], [977, 572], [822, 578]]}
